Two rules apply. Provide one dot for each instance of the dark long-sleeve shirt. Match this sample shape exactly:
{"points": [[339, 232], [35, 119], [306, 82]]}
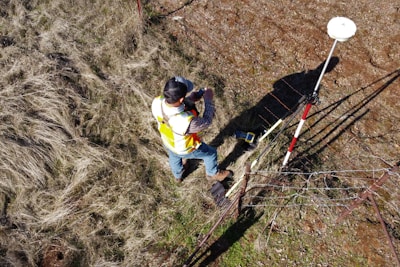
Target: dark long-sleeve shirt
{"points": [[199, 124]]}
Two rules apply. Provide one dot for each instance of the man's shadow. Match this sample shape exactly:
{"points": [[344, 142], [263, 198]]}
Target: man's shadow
{"points": [[280, 103]]}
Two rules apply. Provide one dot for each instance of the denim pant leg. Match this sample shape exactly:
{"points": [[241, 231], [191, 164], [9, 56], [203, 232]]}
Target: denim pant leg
{"points": [[175, 163], [209, 155]]}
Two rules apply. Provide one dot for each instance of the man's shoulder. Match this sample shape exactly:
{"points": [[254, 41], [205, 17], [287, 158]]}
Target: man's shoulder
{"points": [[182, 117], [158, 98], [156, 105]]}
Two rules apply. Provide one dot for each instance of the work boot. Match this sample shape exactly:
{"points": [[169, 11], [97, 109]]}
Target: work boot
{"points": [[220, 175]]}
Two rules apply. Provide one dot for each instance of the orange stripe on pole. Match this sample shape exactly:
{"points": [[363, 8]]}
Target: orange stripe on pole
{"points": [[306, 111], [297, 133], [292, 144]]}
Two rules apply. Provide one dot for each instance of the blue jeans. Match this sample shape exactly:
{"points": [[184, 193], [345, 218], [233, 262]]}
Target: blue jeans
{"points": [[205, 152]]}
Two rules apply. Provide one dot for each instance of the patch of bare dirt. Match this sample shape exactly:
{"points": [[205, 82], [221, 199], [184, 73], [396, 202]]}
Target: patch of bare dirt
{"points": [[266, 55], [254, 43]]}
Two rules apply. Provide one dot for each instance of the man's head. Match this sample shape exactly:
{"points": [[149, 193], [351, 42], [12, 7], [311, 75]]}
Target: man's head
{"points": [[176, 88]]}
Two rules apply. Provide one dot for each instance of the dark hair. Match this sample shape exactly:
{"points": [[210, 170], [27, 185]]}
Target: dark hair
{"points": [[173, 91]]}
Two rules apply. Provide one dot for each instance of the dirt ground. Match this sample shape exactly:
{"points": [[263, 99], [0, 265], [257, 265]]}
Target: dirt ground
{"points": [[265, 54], [254, 43]]}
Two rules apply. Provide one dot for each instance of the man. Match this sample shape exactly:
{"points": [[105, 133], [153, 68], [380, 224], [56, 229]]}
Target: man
{"points": [[180, 128]]}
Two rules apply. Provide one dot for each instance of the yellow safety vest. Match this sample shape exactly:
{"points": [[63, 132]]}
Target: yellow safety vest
{"points": [[173, 125]]}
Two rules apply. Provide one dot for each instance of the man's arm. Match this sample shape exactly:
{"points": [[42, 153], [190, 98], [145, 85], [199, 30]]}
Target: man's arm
{"points": [[199, 124]]}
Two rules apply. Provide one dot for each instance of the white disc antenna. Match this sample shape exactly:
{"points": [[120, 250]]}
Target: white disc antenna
{"points": [[341, 28]]}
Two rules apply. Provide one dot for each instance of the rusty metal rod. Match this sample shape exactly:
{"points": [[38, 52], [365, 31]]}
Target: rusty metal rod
{"points": [[243, 189], [378, 214], [364, 195]]}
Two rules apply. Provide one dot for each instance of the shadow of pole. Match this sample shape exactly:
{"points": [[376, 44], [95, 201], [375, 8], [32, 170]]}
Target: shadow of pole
{"points": [[350, 113], [277, 104], [361, 103]]}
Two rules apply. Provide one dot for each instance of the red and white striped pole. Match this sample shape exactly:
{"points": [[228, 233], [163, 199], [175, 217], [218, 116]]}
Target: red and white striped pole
{"points": [[297, 133], [340, 29]]}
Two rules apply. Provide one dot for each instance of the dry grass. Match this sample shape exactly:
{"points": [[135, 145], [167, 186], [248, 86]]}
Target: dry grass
{"points": [[83, 171]]}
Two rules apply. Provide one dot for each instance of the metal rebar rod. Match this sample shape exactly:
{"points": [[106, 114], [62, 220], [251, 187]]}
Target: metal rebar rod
{"points": [[378, 214]]}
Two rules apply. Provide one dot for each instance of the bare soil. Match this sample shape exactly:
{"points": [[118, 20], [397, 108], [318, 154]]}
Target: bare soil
{"points": [[264, 55]]}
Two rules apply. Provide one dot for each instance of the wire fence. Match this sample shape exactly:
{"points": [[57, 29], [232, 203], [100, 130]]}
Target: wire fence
{"points": [[320, 189], [345, 189]]}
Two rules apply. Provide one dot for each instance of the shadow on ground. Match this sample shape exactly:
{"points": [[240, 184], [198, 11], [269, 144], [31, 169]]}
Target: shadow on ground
{"points": [[327, 135], [227, 239], [280, 103]]}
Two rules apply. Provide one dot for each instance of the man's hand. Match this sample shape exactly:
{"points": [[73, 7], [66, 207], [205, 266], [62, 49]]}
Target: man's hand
{"points": [[208, 94], [196, 96]]}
